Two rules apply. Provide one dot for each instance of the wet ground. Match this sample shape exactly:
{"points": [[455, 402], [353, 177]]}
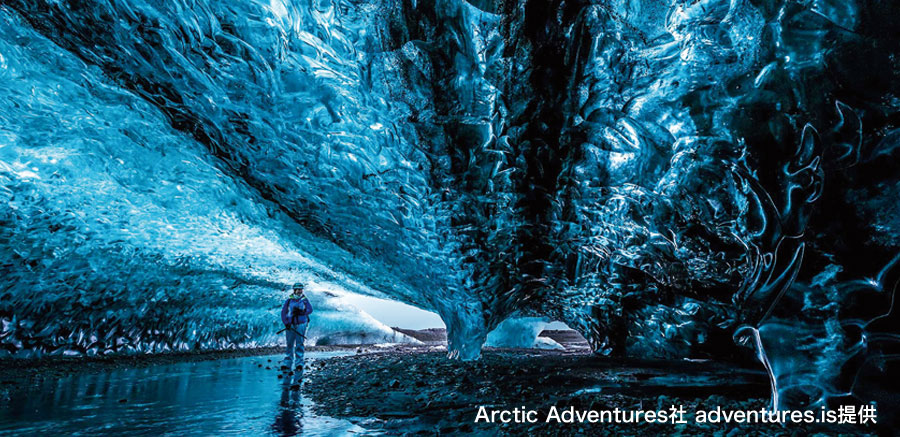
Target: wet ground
{"points": [[424, 393], [232, 396], [392, 390]]}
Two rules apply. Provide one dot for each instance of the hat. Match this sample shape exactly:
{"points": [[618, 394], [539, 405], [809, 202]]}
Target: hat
{"points": [[297, 286]]}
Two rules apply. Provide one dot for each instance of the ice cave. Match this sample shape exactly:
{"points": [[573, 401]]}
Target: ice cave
{"points": [[672, 179]]}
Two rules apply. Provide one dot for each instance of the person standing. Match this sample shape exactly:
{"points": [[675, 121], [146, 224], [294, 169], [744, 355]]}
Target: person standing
{"points": [[295, 316]]}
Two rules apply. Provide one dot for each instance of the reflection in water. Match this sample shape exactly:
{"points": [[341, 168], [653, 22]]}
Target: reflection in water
{"points": [[289, 420], [242, 396]]}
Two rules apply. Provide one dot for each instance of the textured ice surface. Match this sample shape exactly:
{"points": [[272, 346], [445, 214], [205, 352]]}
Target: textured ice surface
{"points": [[660, 176], [119, 232], [521, 333]]}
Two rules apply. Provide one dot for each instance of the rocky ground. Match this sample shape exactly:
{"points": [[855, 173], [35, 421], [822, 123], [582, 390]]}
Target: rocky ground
{"points": [[420, 392]]}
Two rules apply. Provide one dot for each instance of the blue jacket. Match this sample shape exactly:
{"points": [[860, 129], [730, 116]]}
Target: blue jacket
{"points": [[299, 306]]}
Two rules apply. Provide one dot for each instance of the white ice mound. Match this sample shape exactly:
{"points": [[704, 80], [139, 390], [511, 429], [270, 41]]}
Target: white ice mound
{"points": [[335, 321]]}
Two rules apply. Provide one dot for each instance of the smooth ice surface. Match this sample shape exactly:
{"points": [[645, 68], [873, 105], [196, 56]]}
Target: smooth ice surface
{"points": [[223, 397], [335, 321], [393, 313]]}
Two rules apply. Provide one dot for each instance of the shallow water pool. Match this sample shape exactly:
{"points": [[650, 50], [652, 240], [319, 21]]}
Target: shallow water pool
{"points": [[236, 396]]}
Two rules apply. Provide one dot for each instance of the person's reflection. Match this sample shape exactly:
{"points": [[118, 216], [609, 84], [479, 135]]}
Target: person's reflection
{"points": [[288, 420]]}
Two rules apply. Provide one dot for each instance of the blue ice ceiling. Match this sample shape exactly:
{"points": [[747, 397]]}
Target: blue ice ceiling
{"points": [[672, 178]]}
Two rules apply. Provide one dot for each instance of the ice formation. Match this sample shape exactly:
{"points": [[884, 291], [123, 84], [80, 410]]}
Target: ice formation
{"points": [[337, 322], [521, 332], [671, 178]]}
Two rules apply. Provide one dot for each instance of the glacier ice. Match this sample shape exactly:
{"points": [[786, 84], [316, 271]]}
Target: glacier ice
{"points": [[671, 179], [337, 322], [120, 233], [521, 332]]}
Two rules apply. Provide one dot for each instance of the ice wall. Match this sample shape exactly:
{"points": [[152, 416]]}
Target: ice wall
{"points": [[121, 234]]}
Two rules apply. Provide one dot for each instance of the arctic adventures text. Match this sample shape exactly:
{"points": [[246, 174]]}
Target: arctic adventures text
{"points": [[845, 414]]}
